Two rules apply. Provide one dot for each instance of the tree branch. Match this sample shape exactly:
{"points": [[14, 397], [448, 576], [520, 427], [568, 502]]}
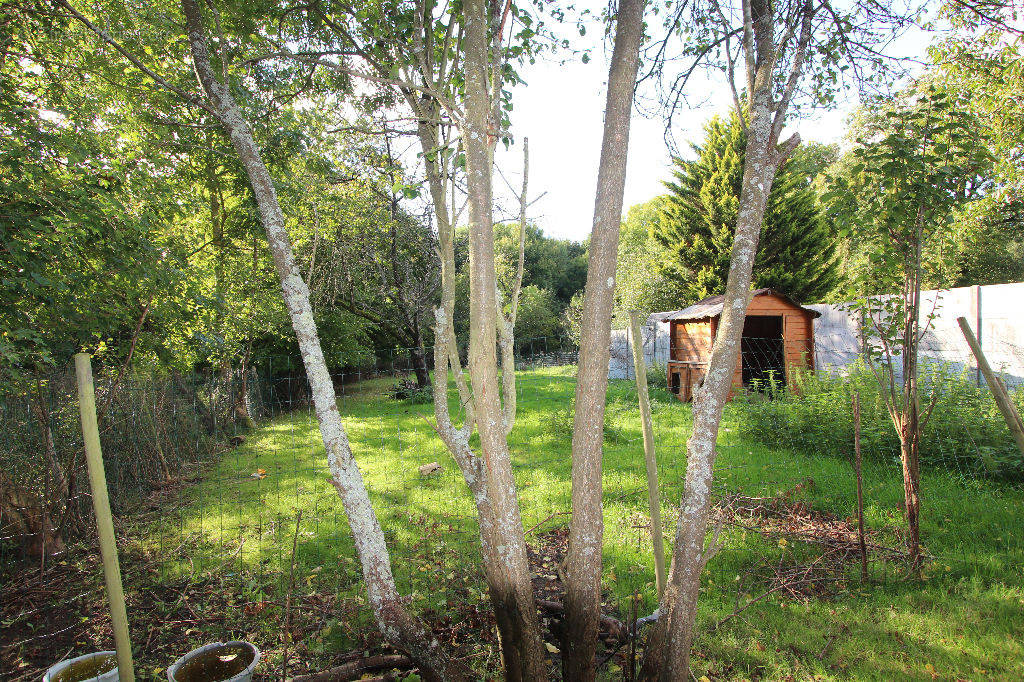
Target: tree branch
{"points": [[107, 38]]}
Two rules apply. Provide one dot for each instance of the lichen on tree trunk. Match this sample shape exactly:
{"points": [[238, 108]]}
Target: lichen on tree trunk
{"points": [[667, 654], [502, 536], [396, 624]]}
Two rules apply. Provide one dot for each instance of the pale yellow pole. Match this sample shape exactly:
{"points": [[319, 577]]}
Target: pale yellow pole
{"points": [[1003, 400], [653, 499], [104, 520]]}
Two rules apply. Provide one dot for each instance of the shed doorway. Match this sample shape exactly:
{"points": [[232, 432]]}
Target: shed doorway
{"points": [[763, 352]]}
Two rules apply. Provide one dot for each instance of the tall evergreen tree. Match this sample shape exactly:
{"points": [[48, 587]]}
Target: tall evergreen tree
{"points": [[796, 253]]}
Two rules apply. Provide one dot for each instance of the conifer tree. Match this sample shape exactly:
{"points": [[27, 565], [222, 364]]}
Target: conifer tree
{"points": [[796, 253]]}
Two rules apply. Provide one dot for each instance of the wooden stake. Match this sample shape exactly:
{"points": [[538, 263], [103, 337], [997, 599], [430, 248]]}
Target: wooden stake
{"points": [[104, 520], [1003, 400], [288, 600], [860, 489], [653, 499]]}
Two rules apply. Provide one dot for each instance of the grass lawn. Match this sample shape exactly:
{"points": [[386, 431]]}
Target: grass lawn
{"points": [[965, 620]]}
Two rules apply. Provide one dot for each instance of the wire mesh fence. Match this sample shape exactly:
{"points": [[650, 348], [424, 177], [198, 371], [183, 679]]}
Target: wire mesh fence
{"points": [[230, 529]]}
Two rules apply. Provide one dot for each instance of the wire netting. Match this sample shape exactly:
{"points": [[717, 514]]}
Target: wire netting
{"points": [[230, 529]]}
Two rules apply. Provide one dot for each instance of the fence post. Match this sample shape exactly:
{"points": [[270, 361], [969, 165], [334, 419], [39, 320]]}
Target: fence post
{"points": [[653, 499], [1003, 400], [860, 488], [104, 520], [976, 310]]}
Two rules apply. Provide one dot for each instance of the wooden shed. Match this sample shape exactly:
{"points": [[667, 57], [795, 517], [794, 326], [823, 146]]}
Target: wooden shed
{"points": [[778, 338]]}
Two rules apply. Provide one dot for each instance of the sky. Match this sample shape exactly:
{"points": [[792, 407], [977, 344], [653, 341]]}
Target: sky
{"points": [[560, 110]]}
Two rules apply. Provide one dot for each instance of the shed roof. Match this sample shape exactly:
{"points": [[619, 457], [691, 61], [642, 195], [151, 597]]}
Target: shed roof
{"points": [[712, 307]]}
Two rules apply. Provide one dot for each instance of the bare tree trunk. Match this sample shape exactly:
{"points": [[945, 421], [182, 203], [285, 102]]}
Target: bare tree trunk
{"points": [[586, 530], [910, 427], [29, 516], [911, 497], [243, 406], [509, 581], [418, 355], [396, 624], [667, 656]]}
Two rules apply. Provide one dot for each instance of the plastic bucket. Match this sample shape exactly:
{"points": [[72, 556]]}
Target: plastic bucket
{"points": [[100, 666], [217, 662]]}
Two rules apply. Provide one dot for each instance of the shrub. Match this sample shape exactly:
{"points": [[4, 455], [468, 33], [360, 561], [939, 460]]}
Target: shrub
{"points": [[407, 390], [966, 432], [657, 376]]}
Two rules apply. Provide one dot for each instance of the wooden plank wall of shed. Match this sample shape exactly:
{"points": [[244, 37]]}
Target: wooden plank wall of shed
{"points": [[691, 340]]}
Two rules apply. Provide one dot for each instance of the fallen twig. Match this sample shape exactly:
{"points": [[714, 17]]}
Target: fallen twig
{"points": [[614, 627], [354, 670]]}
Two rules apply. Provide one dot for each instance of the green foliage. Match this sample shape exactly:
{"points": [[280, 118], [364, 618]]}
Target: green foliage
{"points": [[966, 432], [406, 390], [557, 265], [917, 158], [554, 273], [796, 253], [986, 73], [640, 281], [79, 223], [369, 259], [988, 240], [572, 318], [657, 376], [538, 315]]}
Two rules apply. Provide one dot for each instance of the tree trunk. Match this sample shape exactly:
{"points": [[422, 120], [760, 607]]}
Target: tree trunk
{"points": [[243, 406], [586, 530], [396, 624], [28, 515], [911, 499], [910, 427], [667, 656], [508, 570], [418, 357]]}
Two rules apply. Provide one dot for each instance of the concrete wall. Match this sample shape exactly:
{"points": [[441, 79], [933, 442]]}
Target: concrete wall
{"points": [[656, 348], [996, 310]]}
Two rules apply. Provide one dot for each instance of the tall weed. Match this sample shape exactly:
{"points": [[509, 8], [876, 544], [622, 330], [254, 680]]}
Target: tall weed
{"points": [[965, 432]]}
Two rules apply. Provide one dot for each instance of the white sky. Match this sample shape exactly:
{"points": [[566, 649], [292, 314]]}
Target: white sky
{"points": [[560, 110]]}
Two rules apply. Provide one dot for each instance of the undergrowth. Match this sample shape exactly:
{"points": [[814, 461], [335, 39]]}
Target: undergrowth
{"points": [[965, 432]]}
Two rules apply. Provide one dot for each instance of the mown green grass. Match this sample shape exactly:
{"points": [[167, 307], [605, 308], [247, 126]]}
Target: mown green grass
{"points": [[965, 620]]}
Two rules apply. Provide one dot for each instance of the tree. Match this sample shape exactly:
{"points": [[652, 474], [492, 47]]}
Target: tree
{"points": [[376, 261], [982, 66], [538, 315], [557, 265], [796, 252], [767, 49], [916, 156], [640, 283], [216, 98], [551, 264], [586, 528]]}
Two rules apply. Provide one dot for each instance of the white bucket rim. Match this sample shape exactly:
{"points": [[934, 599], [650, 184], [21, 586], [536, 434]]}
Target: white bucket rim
{"points": [[59, 667], [240, 675]]}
